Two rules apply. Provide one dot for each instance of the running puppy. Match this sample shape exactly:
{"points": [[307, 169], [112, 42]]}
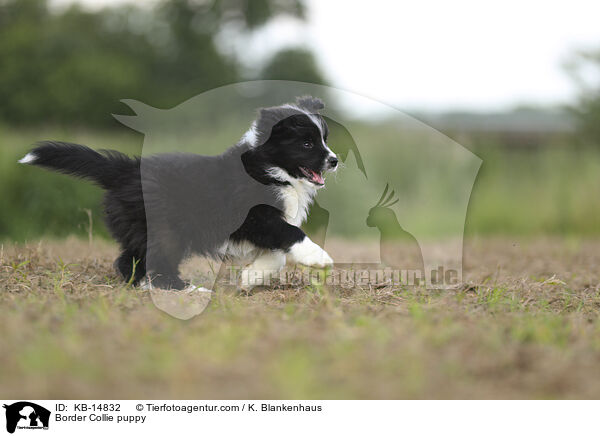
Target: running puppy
{"points": [[246, 203]]}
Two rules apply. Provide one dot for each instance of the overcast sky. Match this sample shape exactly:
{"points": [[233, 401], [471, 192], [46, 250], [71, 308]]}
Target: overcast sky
{"points": [[440, 55]]}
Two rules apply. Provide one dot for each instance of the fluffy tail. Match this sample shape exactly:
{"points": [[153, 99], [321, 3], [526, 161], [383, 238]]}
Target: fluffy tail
{"points": [[107, 168]]}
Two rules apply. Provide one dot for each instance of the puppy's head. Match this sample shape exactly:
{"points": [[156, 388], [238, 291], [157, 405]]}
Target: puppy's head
{"points": [[291, 141]]}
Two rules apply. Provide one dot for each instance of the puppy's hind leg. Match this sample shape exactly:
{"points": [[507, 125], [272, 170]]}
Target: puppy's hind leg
{"points": [[131, 266], [163, 268], [165, 276]]}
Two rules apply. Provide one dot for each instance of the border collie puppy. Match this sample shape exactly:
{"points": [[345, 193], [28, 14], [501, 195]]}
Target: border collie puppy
{"points": [[246, 204]]}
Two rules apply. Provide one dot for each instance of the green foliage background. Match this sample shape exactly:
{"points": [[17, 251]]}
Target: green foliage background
{"points": [[63, 72], [71, 67]]}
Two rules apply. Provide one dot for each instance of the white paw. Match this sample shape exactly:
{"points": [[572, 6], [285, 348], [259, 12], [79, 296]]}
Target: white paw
{"points": [[250, 278], [145, 284], [310, 254], [193, 288]]}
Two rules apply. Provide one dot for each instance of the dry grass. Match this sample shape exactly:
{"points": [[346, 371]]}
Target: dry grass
{"points": [[524, 325]]}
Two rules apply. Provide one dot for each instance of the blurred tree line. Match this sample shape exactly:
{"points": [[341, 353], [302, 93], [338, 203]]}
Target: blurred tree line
{"points": [[71, 66]]}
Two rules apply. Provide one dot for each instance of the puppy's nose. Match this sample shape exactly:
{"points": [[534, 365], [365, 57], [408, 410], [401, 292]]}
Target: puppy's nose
{"points": [[333, 161]]}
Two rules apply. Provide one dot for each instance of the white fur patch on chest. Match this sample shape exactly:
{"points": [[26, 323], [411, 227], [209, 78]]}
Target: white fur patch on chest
{"points": [[296, 198]]}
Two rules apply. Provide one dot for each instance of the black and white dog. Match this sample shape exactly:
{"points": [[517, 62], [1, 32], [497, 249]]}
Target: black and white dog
{"points": [[246, 203]]}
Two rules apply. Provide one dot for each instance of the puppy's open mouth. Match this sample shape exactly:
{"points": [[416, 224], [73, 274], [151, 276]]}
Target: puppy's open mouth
{"points": [[313, 176]]}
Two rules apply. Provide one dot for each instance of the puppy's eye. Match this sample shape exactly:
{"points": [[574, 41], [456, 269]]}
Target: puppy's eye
{"points": [[307, 144]]}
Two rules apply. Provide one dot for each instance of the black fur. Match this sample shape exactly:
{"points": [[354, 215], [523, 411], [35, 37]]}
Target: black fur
{"points": [[165, 207], [265, 228]]}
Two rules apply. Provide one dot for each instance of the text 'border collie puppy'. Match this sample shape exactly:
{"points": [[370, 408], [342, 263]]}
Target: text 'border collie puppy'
{"points": [[246, 204]]}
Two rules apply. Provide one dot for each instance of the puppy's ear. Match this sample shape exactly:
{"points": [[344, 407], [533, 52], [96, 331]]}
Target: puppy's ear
{"points": [[311, 104], [267, 119], [266, 115]]}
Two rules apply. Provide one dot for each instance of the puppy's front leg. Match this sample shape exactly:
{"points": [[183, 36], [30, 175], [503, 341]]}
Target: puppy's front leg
{"points": [[263, 268], [308, 253], [265, 227]]}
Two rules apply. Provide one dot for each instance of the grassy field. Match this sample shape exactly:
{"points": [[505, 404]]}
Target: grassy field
{"points": [[524, 325]]}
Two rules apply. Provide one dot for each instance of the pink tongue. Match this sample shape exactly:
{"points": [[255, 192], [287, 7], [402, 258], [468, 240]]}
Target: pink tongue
{"points": [[317, 177]]}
